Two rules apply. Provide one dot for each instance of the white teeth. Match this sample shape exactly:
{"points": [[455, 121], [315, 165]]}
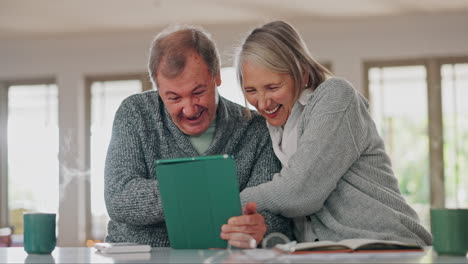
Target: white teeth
{"points": [[196, 116], [272, 111]]}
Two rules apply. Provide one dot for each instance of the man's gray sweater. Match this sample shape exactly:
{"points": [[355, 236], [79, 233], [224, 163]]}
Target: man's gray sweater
{"points": [[143, 132]]}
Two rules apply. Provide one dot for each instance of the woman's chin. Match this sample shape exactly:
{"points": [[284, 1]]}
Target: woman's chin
{"points": [[275, 122]]}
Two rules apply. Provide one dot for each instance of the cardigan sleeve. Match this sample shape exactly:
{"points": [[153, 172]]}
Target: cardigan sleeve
{"points": [[265, 165], [131, 195], [326, 150]]}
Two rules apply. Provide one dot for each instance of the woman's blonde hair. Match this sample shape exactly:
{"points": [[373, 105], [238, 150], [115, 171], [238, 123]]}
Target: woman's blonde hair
{"points": [[278, 47]]}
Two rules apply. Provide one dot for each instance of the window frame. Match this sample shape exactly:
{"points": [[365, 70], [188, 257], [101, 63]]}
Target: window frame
{"points": [[89, 80], [4, 87], [437, 64], [4, 214], [435, 123]]}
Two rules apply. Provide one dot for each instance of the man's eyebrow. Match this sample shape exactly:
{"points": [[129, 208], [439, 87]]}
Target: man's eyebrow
{"points": [[199, 87], [171, 93]]}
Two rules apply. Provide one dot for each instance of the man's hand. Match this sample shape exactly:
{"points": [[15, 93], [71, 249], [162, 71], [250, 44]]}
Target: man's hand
{"points": [[245, 231]]}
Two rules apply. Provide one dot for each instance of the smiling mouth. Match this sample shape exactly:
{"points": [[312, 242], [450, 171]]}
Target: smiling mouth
{"points": [[272, 111], [195, 117]]}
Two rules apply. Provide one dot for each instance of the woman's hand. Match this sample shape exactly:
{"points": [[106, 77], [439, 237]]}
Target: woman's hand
{"points": [[247, 230]]}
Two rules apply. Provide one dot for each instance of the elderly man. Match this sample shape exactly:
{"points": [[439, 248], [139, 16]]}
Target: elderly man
{"points": [[185, 117]]}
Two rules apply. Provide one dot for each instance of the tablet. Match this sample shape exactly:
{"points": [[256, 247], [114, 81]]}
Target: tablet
{"points": [[198, 195]]}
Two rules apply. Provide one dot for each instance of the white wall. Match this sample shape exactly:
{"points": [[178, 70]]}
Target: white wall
{"points": [[345, 44]]}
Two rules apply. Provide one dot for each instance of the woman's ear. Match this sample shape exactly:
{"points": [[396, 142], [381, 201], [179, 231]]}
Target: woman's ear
{"points": [[305, 79]]}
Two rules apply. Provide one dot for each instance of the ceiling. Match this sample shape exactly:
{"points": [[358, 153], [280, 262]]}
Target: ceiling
{"points": [[24, 18]]}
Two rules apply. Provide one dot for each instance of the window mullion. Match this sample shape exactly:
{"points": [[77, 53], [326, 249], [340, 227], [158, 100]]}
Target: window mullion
{"points": [[4, 214], [436, 151]]}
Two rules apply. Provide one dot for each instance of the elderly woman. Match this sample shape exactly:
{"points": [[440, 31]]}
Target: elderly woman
{"points": [[336, 181]]}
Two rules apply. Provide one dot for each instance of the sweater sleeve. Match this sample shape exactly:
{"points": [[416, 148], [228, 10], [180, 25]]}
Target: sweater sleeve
{"points": [[265, 166], [326, 150], [131, 196]]}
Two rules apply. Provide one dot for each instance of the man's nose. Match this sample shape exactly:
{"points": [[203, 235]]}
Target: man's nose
{"points": [[190, 108]]}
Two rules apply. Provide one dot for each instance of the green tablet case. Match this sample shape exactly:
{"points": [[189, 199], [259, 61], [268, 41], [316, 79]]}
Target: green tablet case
{"points": [[198, 195]]}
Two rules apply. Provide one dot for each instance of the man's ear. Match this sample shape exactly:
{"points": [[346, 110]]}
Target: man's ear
{"points": [[218, 79]]}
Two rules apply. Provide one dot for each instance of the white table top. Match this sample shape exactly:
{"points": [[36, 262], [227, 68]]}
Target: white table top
{"points": [[167, 255]]}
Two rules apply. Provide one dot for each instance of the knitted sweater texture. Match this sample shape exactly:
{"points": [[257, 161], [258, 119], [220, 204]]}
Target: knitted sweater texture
{"points": [[340, 176], [143, 132]]}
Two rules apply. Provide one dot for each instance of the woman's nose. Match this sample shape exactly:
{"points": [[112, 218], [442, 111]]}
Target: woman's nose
{"points": [[263, 102]]}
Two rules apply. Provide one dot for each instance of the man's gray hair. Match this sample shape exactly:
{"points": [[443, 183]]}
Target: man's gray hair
{"points": [[170, 48]]}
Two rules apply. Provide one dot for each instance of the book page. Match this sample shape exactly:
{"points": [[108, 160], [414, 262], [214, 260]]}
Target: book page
{"points": [[354, 244], [321, 245], [375, 244]]}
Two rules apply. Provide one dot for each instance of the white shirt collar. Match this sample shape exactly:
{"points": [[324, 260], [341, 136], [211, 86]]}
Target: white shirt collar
{"points": [[305, 96], [284, 139]]}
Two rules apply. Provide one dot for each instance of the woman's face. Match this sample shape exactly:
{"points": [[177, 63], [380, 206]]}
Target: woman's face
{"points": [[270, 92]]}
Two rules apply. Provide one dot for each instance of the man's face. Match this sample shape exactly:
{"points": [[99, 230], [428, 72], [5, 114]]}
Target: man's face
{"points": [[190, 98]]}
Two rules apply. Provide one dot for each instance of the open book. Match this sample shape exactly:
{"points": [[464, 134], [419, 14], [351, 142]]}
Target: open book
{"points": [[348, 245]]}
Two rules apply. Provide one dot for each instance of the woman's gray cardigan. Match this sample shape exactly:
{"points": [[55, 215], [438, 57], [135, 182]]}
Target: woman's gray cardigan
{"points": [[340, 175]]}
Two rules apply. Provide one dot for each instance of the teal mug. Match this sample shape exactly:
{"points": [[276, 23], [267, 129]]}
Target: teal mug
{"points": [[39, 233], [450, 231]]}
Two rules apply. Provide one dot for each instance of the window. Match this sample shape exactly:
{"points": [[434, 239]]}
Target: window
{"points": [[106, 97], [32, 138], [398, 97], [455, 132], [230, 88]]}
